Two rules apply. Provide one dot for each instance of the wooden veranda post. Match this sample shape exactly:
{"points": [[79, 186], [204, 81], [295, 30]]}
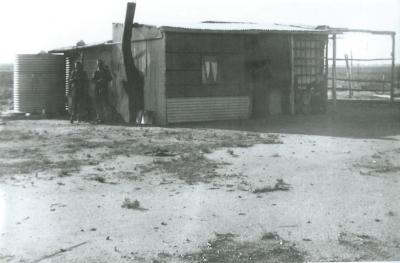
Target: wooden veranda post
{"points": [[393, 69], [334, 71], [326, 68], [292, 84]]}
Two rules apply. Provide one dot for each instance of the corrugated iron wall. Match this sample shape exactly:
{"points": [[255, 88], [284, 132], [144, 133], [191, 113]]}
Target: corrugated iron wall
{"points": [[207, 109], [117, 109], [239, 57], [154, 87], [184, 56]]}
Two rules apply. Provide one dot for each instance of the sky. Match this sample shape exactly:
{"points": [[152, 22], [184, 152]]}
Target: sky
{"points": [[30, 26]]}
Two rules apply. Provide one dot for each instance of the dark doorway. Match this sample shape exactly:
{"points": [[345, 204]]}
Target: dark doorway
{"points": [[260, 78]]}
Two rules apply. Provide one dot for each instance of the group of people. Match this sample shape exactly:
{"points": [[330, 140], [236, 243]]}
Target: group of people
{"points": [[78, 96]]}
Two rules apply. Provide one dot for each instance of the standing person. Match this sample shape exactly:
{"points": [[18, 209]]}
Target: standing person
{"points": [[101, 77], [318, 101], [78, 89]]}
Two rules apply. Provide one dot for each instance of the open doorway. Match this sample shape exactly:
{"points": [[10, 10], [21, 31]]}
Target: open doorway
{"points": [[261, 75]]}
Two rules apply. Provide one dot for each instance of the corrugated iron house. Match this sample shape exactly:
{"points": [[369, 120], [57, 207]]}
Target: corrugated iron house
{"points": [[212, 70]]}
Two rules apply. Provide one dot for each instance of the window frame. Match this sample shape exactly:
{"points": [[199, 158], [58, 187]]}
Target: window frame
{"points": [[211, 79]]}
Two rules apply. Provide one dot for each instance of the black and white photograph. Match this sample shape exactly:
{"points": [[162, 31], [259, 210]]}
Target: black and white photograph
{"points": [[199, 131]]}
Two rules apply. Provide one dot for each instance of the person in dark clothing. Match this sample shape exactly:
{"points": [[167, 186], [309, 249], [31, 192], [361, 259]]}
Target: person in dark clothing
{"points": [[78, 91], [318, 96], [313, 98], [101, 78]]}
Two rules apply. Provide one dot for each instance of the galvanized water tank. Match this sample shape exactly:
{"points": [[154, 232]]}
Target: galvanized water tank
{"points": [[39, 83], [66, 80]]}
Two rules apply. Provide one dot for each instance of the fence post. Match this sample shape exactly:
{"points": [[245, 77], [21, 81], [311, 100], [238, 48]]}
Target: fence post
{"points": [[334, 72], [348, 73]]}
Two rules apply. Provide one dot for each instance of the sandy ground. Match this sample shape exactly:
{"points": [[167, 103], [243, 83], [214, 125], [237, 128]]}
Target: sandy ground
{"points": [[204, 194]]}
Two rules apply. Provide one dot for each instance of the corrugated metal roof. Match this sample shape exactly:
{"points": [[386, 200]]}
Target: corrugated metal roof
{"points": [[218, 26], [240, 26], [70, 48], [214, 27]]}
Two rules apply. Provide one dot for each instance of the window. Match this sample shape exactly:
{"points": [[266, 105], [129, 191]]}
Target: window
{"points": [[209, 70]]}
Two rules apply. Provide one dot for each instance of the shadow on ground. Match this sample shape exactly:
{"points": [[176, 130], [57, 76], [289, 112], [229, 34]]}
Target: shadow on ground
{"points": [[352, 119]]}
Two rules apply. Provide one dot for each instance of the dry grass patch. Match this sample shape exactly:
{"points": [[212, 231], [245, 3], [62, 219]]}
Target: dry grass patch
{"points": [[224, 248]]}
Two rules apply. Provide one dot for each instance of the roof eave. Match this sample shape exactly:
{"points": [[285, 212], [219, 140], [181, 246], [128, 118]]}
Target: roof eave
{"points": [[77, 48], [244, 31], [351, 30]]}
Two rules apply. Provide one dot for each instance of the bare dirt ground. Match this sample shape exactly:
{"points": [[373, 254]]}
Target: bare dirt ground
{"points": [[286, 189]]}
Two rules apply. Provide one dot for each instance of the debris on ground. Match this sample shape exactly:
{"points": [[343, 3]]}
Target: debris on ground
{"points": [[191, 168], [205, 150], [64, 173], [135, 205], [225, 236], [376, 156], [164, 181], [58, 205], [391, 213], [191, 165], [62, 250], [224, 248], [366, 248], [232, 153], [270, 235], [99, 178], [280, 185], [185, 159], [161, 153], [376, 164], [353, 239]]}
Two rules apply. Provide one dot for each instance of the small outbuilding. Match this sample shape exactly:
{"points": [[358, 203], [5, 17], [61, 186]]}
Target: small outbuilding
{"points": [[212, 70]]}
